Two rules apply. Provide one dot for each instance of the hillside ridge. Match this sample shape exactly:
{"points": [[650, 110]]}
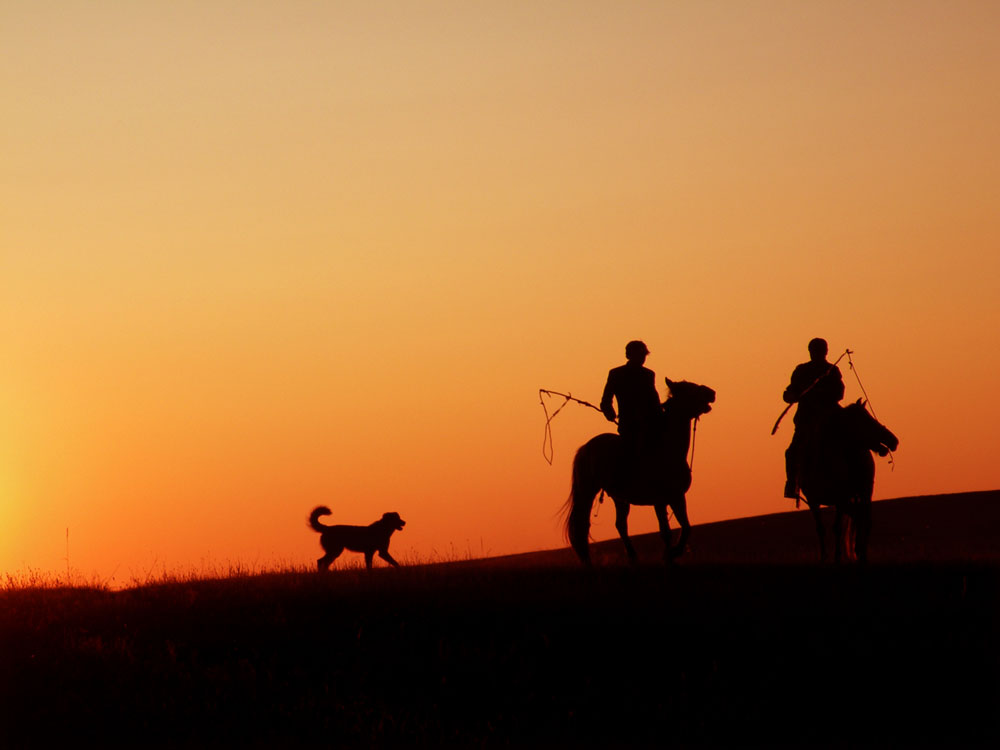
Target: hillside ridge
{"points": [[918, 528]]}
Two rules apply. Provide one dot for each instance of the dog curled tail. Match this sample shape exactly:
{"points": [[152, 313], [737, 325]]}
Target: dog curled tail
{"points": [[319, 510]]}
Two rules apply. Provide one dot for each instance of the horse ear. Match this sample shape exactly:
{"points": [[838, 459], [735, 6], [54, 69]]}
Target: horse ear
{"points": [[859, 402], [669, 381]]}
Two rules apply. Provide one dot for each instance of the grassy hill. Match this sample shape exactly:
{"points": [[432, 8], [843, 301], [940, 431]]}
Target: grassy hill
{"points": [[932, 528], [534, 651]]}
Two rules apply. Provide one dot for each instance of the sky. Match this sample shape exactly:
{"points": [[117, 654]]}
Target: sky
{"points": [[260, 256]]}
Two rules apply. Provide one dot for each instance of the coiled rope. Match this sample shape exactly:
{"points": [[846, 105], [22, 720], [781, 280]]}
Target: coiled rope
{"points": [[548, 451]]}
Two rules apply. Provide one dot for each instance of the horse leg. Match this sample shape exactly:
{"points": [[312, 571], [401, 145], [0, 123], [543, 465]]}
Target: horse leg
{"points": [[838, 534], [578, 528], [864, 525], [661, 516], [621, 523], [863, 515], [579, 505], [680, 509], [851, 534], [818, 519]]}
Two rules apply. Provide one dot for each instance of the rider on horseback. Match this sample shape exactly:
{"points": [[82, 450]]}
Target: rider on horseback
{"points": [[633, 386], [817, 386]]}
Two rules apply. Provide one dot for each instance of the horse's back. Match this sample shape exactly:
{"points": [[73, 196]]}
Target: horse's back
{"points": [[600, 452], [606, 441]]}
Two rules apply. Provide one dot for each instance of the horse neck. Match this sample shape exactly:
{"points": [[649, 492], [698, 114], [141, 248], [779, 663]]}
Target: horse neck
{"points": [[843, 431], [868, 432], [676, 430]]}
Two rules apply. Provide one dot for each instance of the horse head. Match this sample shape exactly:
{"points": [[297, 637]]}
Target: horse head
{"points": [[872, 434], [694, 399]]}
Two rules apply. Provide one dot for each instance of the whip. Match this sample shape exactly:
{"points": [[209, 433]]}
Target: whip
{"points": [[548, 451]]}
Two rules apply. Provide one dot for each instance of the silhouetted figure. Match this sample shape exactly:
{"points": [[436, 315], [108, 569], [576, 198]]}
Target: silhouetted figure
{"points": [[633, 387], [601, 465], [367, 539], [836, 469], [817, 387]]}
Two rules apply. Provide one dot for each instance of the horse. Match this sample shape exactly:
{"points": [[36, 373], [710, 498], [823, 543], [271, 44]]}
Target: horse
{"points": [[660, 479], [837, 470]]}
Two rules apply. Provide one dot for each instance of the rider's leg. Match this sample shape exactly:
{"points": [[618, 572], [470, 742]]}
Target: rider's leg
{"points": [[792, 468]]}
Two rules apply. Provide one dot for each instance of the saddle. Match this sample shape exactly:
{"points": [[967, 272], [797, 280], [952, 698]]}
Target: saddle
{"points": [[642, 466]]}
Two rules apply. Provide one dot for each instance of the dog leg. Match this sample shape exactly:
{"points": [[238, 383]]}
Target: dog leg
{"points": [[384, 554], [326, 560]]}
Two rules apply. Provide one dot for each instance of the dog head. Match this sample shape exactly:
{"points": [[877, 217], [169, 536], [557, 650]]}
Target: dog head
{"points": [[393, 521]]}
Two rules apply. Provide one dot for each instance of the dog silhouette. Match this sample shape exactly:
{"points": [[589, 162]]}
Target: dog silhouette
{"points": [[367, 539]]}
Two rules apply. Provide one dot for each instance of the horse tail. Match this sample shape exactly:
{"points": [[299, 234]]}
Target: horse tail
{"points": [[580, 503], [320, 510]]}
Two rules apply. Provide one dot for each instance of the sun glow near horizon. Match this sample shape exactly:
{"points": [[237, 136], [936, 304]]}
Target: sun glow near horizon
{"points": [[259, 257]]}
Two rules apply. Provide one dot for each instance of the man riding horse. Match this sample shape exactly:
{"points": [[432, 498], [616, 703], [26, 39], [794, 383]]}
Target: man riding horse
{"points": [[633, 386], [817, 386]]}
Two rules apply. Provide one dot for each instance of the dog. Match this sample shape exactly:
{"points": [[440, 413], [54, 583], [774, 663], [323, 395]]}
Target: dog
{"points": [[368, 539]]}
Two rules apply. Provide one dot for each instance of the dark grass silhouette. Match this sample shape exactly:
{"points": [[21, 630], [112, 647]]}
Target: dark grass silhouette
{"points": [[602, 465], [487, 653]]}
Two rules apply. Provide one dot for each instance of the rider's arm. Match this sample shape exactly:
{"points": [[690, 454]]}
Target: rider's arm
{"points": [[795, 387], [607, 406], [838, 389]]}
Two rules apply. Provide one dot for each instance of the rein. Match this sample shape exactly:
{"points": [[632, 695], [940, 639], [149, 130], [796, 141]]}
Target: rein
{"points": [[868, 403], [694, 434]]}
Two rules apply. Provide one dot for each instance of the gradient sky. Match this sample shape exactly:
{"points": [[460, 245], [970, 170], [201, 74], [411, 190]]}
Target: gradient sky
{"points": [[257, 256]]}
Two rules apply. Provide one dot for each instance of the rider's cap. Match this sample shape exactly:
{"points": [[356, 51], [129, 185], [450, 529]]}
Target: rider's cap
{"points": [[635, 347]]}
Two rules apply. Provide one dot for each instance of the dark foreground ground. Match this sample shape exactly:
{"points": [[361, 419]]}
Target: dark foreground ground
{"points": [[557, 657], [746, 642]]}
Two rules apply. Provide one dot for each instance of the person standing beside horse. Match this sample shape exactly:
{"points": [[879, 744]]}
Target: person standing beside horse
{"points": [[817, 386], [633, 387]]}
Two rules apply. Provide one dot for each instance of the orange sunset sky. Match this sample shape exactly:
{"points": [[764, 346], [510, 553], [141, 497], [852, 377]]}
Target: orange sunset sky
{"points": [[258, 256]]}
